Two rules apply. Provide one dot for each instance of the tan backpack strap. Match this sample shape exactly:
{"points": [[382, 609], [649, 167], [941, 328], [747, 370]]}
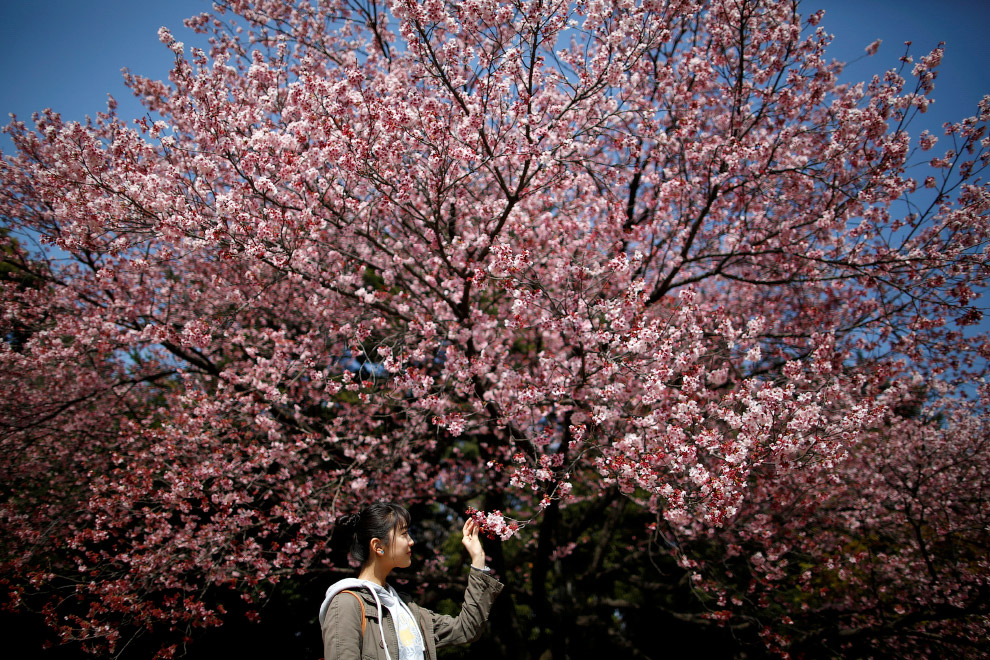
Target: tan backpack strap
{"points": [[361, 603]]}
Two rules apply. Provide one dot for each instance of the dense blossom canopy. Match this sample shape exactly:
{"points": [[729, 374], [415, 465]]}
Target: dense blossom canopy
{"points": [[640, 281]]}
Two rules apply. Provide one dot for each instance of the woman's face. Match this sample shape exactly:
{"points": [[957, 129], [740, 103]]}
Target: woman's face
{"points": [[400, 549]]}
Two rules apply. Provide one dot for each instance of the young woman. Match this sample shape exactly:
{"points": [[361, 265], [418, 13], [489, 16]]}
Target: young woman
{"points": [[364, 617]]}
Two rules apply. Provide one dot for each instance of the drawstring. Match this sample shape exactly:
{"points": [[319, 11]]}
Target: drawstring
{"points": [[381, 624]]}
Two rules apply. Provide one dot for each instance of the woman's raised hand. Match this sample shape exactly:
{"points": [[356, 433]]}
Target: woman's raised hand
{"points": [[472, 543]]}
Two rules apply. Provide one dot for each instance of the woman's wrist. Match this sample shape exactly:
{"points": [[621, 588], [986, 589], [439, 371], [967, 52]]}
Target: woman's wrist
{"points": [[478, 562]]}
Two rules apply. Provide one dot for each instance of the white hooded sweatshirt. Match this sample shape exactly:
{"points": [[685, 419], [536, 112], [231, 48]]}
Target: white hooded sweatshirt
{"points": [[411, 644]]}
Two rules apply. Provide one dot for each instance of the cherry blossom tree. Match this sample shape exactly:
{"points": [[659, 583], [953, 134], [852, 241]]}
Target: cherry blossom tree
{"points": [[641, 273]]}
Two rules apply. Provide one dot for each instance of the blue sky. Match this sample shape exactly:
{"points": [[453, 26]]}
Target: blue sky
{"points": [[67, 54]]}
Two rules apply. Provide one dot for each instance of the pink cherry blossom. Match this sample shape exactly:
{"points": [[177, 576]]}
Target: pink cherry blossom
{"points": [[517, 257]]}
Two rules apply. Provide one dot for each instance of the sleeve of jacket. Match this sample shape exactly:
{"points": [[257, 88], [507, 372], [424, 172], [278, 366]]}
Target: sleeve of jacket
{"points": [[342, 629], [469, 625]]}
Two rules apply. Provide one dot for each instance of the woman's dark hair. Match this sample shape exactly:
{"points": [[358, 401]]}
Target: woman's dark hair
{"points": [[352, 534]]}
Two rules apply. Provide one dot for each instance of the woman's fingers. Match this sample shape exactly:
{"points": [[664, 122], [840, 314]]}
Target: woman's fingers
{"points": [[470, 532], [472, 542]]}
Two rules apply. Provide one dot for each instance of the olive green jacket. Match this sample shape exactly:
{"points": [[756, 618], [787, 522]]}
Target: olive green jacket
{"points": [[343, 640]]}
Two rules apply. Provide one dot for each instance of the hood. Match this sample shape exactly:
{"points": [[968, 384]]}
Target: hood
{"points": [[344, 585]]}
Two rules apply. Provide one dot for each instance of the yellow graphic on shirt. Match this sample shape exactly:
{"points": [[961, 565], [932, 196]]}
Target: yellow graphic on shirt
{"points": [[410, 641]]}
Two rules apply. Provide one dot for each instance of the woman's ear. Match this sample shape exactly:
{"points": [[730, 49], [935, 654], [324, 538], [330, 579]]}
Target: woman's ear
{"points": [[377, 547]]}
